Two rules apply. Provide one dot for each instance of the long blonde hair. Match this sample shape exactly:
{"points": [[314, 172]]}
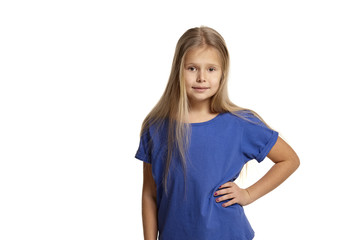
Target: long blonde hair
{"points": [[173, 104]]}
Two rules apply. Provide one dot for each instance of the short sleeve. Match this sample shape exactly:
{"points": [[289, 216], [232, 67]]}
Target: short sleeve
{"points": [[144, 150], [257, 140]]}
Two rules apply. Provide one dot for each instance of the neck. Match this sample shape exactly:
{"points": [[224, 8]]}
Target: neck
{"points": [[200, 107]]}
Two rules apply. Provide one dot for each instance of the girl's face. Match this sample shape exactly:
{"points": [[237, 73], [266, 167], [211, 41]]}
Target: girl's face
{"points": [[202, 73]]}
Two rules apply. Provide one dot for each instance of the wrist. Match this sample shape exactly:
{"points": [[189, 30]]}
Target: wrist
{"points": [[250, 198]]}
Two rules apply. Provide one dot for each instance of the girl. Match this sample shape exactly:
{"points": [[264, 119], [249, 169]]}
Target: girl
{"points": [[195, 142]]}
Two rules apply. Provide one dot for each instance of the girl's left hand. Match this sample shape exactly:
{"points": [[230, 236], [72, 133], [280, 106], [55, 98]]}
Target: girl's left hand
{"points": [[231, 190]]}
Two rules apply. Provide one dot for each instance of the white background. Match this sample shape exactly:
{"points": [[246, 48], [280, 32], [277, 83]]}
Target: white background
{"points": [[78, 78]]}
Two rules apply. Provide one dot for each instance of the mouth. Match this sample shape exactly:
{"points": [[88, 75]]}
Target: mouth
{"points": [[200, 87]]}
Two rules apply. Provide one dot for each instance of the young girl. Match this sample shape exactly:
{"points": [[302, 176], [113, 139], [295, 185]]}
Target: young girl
{"points": [[195, 142]]}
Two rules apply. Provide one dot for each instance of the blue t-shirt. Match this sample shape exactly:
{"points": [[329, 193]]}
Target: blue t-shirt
{"points": [[218, 150]]}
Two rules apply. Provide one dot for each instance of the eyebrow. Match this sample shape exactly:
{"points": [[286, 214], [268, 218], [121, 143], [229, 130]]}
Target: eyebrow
{"points": [[208, 64]]}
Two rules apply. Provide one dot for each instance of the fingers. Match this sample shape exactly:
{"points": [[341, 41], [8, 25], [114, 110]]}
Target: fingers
{"points": [[227, 192], [226, 188], [224, 197], [229, 203], [222, 192], [227, 184]]}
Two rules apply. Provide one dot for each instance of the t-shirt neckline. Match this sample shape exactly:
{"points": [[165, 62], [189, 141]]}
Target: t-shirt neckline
{"points": [[206, 122]]}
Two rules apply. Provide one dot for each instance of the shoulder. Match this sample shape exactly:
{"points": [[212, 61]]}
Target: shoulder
{"points": [[244, 118], [156, 132]]}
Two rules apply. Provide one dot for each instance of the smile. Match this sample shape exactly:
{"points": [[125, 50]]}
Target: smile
{"points": [[200, 89]]}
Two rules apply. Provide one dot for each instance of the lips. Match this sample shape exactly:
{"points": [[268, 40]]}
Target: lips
{"points": [[200, 87]]}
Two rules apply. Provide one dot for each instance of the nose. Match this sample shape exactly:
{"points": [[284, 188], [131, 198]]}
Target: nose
{"points": [[201, 76]]}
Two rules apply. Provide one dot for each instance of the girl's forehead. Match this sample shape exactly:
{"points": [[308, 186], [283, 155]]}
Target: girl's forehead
{"points": [[203, 52]]}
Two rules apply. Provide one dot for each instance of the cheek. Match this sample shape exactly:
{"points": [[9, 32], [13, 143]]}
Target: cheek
{"points": [[187, 82], [216, 87], [216, 80], [188, 79]]}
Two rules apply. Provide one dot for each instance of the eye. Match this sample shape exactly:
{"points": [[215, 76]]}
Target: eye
{"points": [[192, 69], [212, 69]]}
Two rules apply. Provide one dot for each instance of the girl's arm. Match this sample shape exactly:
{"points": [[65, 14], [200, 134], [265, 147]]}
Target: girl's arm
{"points": [[286, 162], [149, 209]]}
